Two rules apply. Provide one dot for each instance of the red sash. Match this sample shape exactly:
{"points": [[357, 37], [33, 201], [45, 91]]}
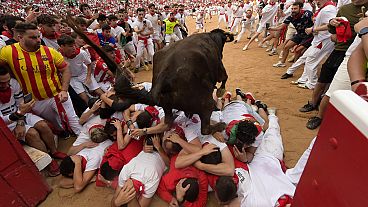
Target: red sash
{"points": [[145, 40], [62, 114]]}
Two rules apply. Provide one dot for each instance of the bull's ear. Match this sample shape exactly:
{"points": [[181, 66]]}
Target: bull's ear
{"points": [[229, 37]]}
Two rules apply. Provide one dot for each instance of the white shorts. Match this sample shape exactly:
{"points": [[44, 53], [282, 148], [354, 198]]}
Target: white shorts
{"points": [[78, 84], [199, 25], [341, 80], [291, 31], [30, 120]]}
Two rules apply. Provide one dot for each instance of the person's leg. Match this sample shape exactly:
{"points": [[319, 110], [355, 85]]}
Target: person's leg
{"points": [[34, 140], [240, 35], [285, 51], [46, 135], [140, 51], [251, 40]]}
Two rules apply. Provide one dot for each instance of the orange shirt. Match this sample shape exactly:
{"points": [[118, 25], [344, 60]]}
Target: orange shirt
{"points": [[37, 72]]}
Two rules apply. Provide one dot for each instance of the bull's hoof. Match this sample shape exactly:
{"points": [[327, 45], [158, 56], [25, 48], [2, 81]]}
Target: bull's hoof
{"points": [[220, 92], [219, 127]]}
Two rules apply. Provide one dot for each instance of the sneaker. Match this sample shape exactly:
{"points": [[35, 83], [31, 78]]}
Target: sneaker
{"points": [[235, 41], [308, 107], [269, 49], [136, 70], [245, 48], [273, 52], [228, 95], [53, 169], [295, 83], [286, 76], [146, 67], [272, 111], [59, 155], [279, 65], [250, 96], [264, 46], [304, 86], [240, 93], [314, 122], [260, 105], [256, 40], [249, 38]]}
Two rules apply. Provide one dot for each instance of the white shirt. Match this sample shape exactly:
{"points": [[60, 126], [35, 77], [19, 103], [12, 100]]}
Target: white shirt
{"points": [[212, 140], [239, 11], [141, 107], [323, 17], [15, 98], [221, 10], [228, 9], [191, 127], [78, 65], [154, 20], [146, 168], [248, 6], [94, 155], [139, 25], [353, 46], [307, 6], [51, 43], [116, 32]]}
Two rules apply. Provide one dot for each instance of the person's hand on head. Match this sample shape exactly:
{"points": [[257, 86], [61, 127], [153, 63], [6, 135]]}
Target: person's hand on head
{"points": [[209, 148], [180, 191], [240, 155]]}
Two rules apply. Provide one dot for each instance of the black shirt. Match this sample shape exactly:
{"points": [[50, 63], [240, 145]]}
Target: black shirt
{"points": [[301, 21]]}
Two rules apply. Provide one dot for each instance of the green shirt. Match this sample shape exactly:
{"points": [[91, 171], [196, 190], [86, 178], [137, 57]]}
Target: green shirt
{"points": [[353, 14]]}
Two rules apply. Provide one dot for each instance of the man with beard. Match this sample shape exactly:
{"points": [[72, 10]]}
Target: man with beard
{"points": [[301, 20], [42, 71]]}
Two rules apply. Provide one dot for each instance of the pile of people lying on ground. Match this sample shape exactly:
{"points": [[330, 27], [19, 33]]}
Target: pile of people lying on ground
{"points": [[130, 147]]}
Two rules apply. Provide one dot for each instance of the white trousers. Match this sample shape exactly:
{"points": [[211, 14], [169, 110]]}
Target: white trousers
{"points": [[235, 24], [47, 109], [140, 50], [221, 18], [311, 58], [171, 38]]}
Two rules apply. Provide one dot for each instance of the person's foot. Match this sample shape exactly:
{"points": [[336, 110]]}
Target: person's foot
{"points": [[269, 49], [314, 122], [240, 93], [279, 65], [245, 47], [308, 107], [273, 52], [295, 82], [257, 40], [286, 76], [261, 105], [53, 169], [250, 96], [281, 54], [272, 111], [248, 38], [304, 86], [235, 41], [136, 70], [59, 155]]}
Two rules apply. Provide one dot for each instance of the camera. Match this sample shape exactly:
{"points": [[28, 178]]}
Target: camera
{"points": [[282, 6], [35, 8], [149, 141], [144, 22]]}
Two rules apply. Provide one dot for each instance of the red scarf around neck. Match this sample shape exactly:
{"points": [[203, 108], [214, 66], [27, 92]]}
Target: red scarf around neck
{"points": [[77, 51], [324, 5]]}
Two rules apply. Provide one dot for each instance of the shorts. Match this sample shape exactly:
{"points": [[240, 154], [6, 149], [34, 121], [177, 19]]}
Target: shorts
{"points": [[291, 31], [329, 68], [306, 41], [78, 84], [261, 28], [199, 25], [30, 120], [341, 80]]}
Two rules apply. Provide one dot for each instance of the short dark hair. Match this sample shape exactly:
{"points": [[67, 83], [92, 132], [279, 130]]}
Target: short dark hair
{"points": [[151, 5], [80, 21], [192, 193], [4, 69], [109, 128], [112, 17], [225, 189], [65, 40], [140, 10], [107, 172], [144, 120], [105, 27], [67, 167], [175, 147], [166, 7], [11, 21], [22, 27], [46, 19], [101, 17], [298, 3], [83, 6], [246, 132], [213, 158], [122, 11], [108, 48]]}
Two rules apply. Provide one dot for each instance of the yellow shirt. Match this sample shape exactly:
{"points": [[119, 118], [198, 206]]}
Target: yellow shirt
{"points": [[169, 26], [37, 72]]}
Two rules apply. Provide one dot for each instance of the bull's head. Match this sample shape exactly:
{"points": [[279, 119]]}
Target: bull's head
{"points": [[229, 37]]}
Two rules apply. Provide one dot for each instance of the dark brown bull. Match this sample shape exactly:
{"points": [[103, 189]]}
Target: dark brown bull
{"points": [[185, 75]]}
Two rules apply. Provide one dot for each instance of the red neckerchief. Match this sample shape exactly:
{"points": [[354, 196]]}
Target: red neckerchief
{"points": [[324, 5], [7, 34], [299, 15], [77, 51], [154, 114], [272, 3], [343, 31], [5, 96]]}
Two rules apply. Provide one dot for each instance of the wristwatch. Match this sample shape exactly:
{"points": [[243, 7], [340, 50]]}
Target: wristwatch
{"points": [[362, 32]]}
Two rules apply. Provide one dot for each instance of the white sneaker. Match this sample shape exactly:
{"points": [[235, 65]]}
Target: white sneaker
{"points": [[279, 65], [256, 40], [272, 52], [272, 111], [269, 49], [245, 48]]}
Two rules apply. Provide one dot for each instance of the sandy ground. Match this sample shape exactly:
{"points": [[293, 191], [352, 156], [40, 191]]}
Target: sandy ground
{"points": [[250, 70]]}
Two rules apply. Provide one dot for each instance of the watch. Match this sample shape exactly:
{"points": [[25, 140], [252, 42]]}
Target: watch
{"points": [[362, 32]]}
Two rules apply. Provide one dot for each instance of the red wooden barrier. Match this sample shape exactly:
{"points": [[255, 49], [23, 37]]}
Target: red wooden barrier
{"points": [[336, 174], [21, 184]]}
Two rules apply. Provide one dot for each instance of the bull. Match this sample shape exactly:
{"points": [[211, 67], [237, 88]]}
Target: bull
{"points": [[186, 73]]}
